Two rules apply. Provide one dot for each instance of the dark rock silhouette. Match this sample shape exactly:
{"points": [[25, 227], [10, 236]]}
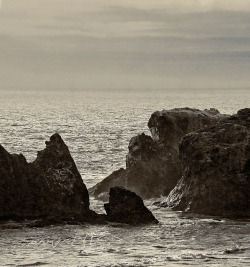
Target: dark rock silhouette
{"points": [[216, 169], [153, 166], [49, 186], [50, 190], [126, 207]]}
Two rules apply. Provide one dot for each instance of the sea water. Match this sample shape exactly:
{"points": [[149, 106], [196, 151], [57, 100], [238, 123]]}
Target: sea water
{"points": [[97, 126]]}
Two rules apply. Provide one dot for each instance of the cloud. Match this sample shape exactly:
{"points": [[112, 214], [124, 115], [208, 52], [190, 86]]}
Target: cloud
{"points": [[179, 6], [115, 18], [117, 43]]}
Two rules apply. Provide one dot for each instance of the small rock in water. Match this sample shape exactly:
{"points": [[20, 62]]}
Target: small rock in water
{"points": [[127, 207]]}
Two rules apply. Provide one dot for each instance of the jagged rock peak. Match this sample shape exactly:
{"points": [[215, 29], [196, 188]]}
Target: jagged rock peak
{"points": [[55, 138], [49, 186]]}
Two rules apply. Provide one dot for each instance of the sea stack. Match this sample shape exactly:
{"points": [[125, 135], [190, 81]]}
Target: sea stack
{"points": [[50, 190], [153, 167], [216, 169], [51, 186], [127, 207]]}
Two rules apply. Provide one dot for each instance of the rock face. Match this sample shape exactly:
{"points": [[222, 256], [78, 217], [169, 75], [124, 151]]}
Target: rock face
{"points": [[49, 186], [169, 126], [216, 169], [153, 166], [51, 191], [126, 207]]}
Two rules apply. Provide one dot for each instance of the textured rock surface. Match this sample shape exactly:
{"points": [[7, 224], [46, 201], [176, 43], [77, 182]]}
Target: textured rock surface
{"points": [[216, 169], [169, 126], [49, 186], [153, 166], [126, 207], [147, 165], [50, 190]]}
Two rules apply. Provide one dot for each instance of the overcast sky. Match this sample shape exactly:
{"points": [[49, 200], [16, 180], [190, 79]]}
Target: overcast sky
{"points": [[65, 44]]}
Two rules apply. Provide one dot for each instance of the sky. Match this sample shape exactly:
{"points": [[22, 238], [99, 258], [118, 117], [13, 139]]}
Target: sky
{"points": [[124, 44]]}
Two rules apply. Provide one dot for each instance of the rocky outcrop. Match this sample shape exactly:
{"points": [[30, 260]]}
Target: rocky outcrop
{"points": [[51, 186], [216, 169], [50, 190], [126, 207], [153, 166], [147, 164], [169, 126]]}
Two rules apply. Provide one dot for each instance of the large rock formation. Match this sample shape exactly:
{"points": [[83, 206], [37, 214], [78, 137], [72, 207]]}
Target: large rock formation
{"points": [[51, 186], [51, 191], [126, 207], [216, 169], [153, 166], [147, 164]]}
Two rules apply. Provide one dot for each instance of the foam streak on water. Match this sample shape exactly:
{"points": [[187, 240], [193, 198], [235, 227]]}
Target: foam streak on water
{"points": [[97, 127]]}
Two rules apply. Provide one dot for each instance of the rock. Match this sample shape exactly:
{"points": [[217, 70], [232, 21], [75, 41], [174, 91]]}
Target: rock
{"points": [[145, 170], [101, 190], [127, 207], [169, 126], [152, 165], [216, 170], [50, 190], [51, 186]]}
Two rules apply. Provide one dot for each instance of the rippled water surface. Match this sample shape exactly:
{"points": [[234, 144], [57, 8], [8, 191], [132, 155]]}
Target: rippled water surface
{"points": [[97, 126]]}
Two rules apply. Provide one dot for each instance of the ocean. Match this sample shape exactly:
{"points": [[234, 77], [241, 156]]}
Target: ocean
{"points": [[97, 126]]}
